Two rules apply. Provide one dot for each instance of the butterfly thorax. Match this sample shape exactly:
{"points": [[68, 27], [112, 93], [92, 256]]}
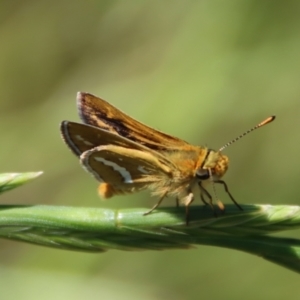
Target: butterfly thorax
{"points": [[194, 162], [191, 165]]}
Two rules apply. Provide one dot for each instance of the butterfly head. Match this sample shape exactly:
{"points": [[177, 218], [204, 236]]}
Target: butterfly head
{"points": [[214, 165]]}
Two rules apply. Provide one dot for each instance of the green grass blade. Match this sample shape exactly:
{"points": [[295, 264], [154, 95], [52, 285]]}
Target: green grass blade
{"points": [[96, 229], [9, 181]]}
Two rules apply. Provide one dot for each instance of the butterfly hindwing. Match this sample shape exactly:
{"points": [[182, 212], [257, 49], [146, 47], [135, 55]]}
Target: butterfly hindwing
{"points": [[124, 169]]}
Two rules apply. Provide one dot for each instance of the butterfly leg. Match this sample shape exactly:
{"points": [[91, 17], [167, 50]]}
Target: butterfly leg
{"points": [[229, 194], [187, 202], [156, 205], [203, 192]]}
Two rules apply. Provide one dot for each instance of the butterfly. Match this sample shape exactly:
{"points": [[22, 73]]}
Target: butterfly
{"points": [[126, 156]]}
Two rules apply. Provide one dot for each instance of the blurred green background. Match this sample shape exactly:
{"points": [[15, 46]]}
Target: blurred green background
{"points": [[204, 71]]}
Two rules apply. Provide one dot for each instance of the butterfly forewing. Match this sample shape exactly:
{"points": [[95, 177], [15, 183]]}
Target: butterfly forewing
{"points": [[97, 112]]}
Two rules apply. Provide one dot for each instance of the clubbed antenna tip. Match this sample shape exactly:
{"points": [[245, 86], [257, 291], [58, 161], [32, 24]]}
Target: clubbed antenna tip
{"points": [[264, 122]]}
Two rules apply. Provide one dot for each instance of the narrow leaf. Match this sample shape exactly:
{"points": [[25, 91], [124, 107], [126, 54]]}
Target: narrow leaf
{"points": [[9, 181]]}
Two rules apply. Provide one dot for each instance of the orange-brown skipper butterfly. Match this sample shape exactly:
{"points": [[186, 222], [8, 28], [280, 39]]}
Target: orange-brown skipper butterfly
{"points": [[126, 156]]}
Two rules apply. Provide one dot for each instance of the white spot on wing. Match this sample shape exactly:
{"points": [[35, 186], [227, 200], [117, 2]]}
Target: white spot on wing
{"points": [[124, 173], [80, 138], [142, 170]]}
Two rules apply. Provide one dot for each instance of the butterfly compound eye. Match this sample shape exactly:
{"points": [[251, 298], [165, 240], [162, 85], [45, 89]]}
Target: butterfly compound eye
{"points": [[202, 174]]}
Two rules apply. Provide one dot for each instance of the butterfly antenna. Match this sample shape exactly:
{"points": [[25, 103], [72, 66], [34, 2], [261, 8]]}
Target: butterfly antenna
{"points": [[265, 122]]}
